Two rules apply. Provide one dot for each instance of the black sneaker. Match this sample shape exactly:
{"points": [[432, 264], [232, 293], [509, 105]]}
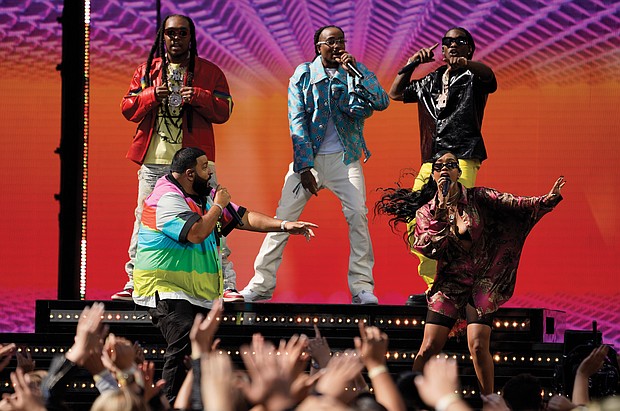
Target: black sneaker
{"points": [[417, 300]]}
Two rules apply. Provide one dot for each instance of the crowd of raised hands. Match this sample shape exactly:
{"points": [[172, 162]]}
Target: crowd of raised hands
{"points": [[302, 374]]}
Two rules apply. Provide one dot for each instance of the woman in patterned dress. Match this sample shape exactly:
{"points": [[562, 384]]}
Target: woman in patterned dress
{"points": [[476, 235]]}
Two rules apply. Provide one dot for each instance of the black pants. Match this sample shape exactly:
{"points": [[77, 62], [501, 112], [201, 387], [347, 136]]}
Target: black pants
{"points": [[174, 318]]}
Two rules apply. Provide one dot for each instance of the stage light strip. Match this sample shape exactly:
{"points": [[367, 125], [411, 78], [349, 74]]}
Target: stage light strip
{"points": [[118, 317], [284, 319], [85, 148]]}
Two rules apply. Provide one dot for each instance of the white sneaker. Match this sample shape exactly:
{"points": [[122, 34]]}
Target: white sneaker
{"points": [[365, 297], [250, 296]]}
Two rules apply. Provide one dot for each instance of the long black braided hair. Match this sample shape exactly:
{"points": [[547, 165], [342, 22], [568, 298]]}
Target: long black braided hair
{"points": [[401, 204], [159, 49]]}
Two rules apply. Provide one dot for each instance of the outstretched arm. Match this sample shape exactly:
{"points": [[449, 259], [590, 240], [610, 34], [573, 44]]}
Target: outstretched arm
{"points": [[480, 70], [255, 221]]}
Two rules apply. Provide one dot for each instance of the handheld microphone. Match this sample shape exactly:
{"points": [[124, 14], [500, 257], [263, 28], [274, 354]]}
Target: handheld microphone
{"points": [[409, 67], [352, 68], [446, 188], [355, 70]]}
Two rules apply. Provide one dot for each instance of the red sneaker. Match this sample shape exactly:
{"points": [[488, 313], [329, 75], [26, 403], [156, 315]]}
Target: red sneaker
{"points": [[124, 295], [232, 295]]}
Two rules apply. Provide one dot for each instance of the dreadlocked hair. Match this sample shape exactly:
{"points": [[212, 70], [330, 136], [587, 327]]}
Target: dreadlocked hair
{"points": [[401, 204], [159, 49]]}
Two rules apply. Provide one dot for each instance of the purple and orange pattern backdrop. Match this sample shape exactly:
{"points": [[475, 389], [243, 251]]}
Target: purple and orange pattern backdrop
{"points": [[555, 113]]}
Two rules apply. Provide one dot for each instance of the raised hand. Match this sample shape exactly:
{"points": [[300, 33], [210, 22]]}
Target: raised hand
{"points": [[319, 348], [24, 398], [151, 387], [556, 190], [88, 334], [25, 361], [339, 375], [121, 351], [372, 346], [425, 55], [593, 362], [272, 371], [260, 363], [203, 331], [554, 195], [6, 353], [440, 380]]}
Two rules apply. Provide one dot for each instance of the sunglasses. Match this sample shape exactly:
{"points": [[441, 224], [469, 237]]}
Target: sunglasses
{"points": [[450, 166], [172, 33], [460, 41]]}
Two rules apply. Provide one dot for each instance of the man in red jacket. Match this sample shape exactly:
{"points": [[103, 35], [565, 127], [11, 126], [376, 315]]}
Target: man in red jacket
{"points": [[175, 99]]}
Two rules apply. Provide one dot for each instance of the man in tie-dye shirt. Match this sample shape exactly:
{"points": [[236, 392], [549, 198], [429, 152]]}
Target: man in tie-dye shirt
{"points": [[178, 269]]}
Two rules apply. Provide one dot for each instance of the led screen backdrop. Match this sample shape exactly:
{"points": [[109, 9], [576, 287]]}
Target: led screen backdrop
{"points": [[555, 113]]}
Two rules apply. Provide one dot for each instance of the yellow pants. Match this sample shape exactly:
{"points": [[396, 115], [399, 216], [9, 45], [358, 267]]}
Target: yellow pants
{"points": [[469, 171]]}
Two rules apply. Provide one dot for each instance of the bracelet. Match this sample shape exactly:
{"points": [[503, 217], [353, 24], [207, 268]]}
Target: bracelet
{"points": [[221, 208], [126, 377], [379, 369], [283, 225], [447, 400], [101, 375]]}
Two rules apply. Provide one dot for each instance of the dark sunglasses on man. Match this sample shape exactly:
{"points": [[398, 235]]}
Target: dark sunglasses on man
{"points": [[172, 33], [460, 41]]}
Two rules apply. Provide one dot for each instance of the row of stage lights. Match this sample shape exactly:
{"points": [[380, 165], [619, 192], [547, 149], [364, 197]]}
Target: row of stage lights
{"points": [[329, 320]]}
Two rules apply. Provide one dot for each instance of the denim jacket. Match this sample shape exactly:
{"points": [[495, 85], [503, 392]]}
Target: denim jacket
{"points": [[313, 98]]}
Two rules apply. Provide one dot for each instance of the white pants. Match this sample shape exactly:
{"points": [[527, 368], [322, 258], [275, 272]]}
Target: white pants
{"points": [[347, 183], [148, 174]]}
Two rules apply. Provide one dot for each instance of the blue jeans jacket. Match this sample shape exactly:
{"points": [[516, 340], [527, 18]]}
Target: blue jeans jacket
{"points": [[313, 98]]}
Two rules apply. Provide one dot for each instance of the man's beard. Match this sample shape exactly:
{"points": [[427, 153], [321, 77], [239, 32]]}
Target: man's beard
{"points": [[201, 186]]}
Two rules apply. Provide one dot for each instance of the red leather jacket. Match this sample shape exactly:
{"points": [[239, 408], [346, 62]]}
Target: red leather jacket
{"points": [[211, 103]]}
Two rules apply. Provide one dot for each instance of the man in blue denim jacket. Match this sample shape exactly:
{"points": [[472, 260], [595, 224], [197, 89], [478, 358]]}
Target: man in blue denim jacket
{"points": [[328, 101]]}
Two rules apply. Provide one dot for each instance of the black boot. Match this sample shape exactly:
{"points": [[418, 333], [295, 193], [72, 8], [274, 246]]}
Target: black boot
{"points": [[417, 300]]}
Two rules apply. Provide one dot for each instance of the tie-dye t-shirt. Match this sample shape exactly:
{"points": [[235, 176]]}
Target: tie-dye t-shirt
{"points": [[166, 262]]}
